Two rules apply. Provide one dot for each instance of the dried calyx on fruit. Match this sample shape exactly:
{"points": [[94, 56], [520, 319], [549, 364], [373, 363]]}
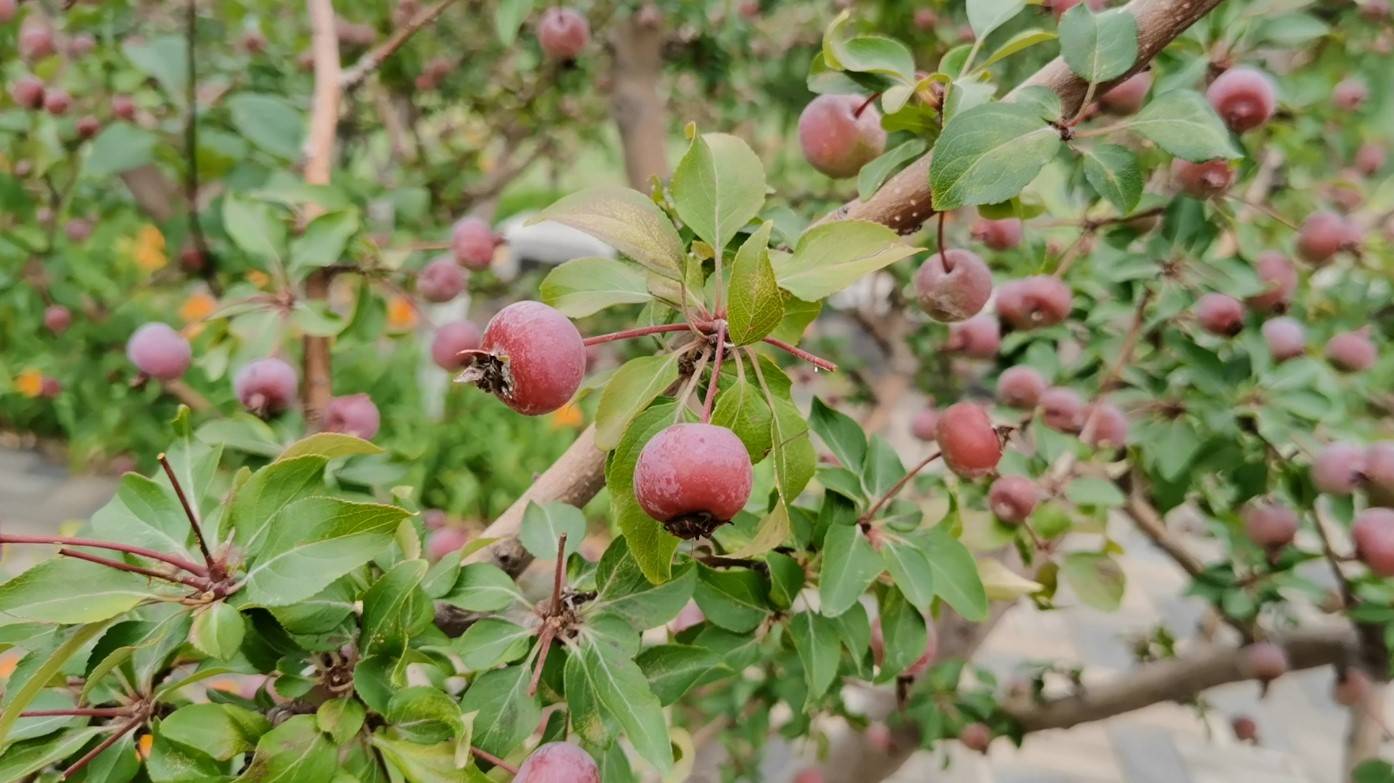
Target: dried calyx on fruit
{"points": [[531, 357]]}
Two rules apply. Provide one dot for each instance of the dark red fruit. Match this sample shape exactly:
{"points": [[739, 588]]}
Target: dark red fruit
{"points": [[558, 762], [953, 285], [159, 351], [1062, 409], [1339, 468], [1245, 730], [1373, 533], [473, 243], [1105, 425], [57, 318], [1220, 314], [57, 102], [440, 281], [531, 357], [445, 540], [1352, 687], [266, 386], [1013, 498], [1264, 661], [1129, 95], [926, 419], [979, 337], [1352, 351], [1323, 235], [88, 127], [1350, 93], [693, 478], [1243, 97], [1277, 272], [837, 140], [968, 441], [1285, 337], [808, 775], [1020, 387], [925, 19], [1369, 159], [1202, 180], [355, 414], [1002, 234], [976, 737], [122, 107], [434, 518], [8, 9], [1379, 473], [1269, 524], [563, 33], [1036, 301], [78, 230], [80, 45], [28, 91], [35, 38], [450, 343]]}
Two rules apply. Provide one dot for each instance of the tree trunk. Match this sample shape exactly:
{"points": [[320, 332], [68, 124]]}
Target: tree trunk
{"points": [[636, 104], [1366, 731]]}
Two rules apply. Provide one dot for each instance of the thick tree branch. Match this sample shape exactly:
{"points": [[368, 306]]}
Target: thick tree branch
{"points": [[636, 104], [1178, 680], [375, 57]]}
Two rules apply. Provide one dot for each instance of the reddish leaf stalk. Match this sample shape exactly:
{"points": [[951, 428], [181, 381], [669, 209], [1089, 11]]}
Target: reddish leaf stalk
{"points": [[134, 569], [716, 372], [177, 562], [495, 760], [80, 712], [816, 361], [899, 485], [188, 512], [641, 331], [87, 758]]}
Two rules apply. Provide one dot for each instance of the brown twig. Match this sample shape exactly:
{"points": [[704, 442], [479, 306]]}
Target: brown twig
{"points": [[816, 361], [134, 569], [374, 58], [178, 562], [189, 511], [121, 731], [899, 485]]}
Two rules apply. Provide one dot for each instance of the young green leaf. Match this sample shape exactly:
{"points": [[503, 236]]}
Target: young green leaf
{"points": [[219, 730], [754, 306], [1096, 578], [956, 577], [624, 694], [217, 630], [68, 591], [634, 385], [626, 220], [735, 599], [988, 153], [816, 643], [984, 16], [850, 565], [1114, 173], [672, 669], [831, 256], [718, 186], [1098, 47], [844, 437], [873, 174], [544, 525], [585, 286]]}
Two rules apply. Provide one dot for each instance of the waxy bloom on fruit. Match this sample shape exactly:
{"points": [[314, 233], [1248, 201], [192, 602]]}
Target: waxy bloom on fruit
{"points": [[1128, 96], [563, 33], [1339, 468], [57, 318], [1277, 272], [1352, 351], [1269, 524], [1002, 234], [450, 343], [440, 281], [1062, 409], [355, 414], [1105, 424], [1220, 314], [1264, 661], [1373, 532], [1020, 387], [1202, 180], [968, 440], [266, 386], [1323, 235], [1013, 498], [1285, 337], [473, 242], [693, 478], [923, 424], [558, 762], [979, 337], [1243, 97], [837, 140], [1041, 300], [159, 351], [531, 357], [953, 285]]}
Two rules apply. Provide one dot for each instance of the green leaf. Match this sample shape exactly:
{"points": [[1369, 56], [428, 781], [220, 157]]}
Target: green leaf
{"points": [[798, 314], [1043, 100], [623, 692], [544, 525], [509, 17], [329, 445], [21, 760], [1114, 173], [634, 385], [120, 147], [988, 153], [68, 591], [1017, 43], [424, 714], [323, 241], [850, 565], [717, 187], [321, 612], [831, 256], [341, 718], [1098, 47], [651, 546], [144, 513], [984, 16], [625, 219], [491, 641], [418, 763], [903, 634], [1094, 491], [218, 730], [1096, 578], [507, 714], [1182, 123], [876, 54], [395, 608], [217, 631], [772, 531], [162, 59], [268, 121], [314, 541], [672, 669], [483, 587], [882, 469], [910, 568], [755, 306], [18, 697], [258, 501], [585, 286], [252, 226], [294, 750], [815, 640], [880, 169], [956, 578], [843, 436], [624, 590], [741, 408], [734, 598], [795, 461]]}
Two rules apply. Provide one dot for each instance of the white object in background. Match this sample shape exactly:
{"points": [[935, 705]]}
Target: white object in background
{"points": [[547, 243]]}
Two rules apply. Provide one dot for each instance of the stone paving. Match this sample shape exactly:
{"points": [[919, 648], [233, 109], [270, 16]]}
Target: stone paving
{"points": [[1300, 728]]}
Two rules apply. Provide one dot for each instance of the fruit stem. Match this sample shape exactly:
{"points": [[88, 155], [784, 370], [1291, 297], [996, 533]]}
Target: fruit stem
{"points": [[870, 99], [899, 485], [80, 712], [640, 331], [558, 574], [943, 256], [716, 372], [544, 645], [120, 566], [121, 731], [820, 363], [188, 512], [178, 562], [495, 760]]}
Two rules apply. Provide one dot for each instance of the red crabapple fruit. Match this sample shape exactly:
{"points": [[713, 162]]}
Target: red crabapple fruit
{"points": [[878, 736], [1269, 524], [1264, 661], [1277, 272], [1369, 159], [1002, 234], [8, 9], [473, 243], [558, 762], [434, 518], [266, 386], [1220, 314], [837, 140], [925, 19], [693, 478], [1351, 351], [531, 357], [80, 45], [1041, 300], [1062, 409], [1105, 424], [440, 281], [1020, 387], [1373, 533], [1323, 235], [35, 38], [922, 426], [563, 33], [28, 91], [88, 126], [57, 318], [1243, 97], [1244, 728], [979, 337], [808, 775], [451, 341], [1350, 93], [953, 285], [1285, 337], [444, 540], [1352, 687], [1339, 468], [1202, 180], [1128, 96], [123, 108], [976, 737], [354, 414], [159, 351], [1379, 473], [57, 102], [689, 616], [1013, 498], [968, 441]]}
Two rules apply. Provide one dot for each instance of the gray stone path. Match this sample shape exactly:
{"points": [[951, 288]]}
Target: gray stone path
{"points": [[38, 496]]}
